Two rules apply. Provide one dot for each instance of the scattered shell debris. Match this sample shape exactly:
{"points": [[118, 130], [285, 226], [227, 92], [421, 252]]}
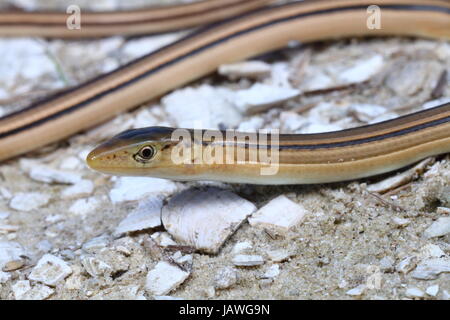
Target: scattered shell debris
{"points": [[67, 232]]}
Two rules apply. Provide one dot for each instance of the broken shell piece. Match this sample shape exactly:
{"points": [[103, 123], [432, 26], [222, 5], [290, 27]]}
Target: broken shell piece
{"points": [[84, 206], [29, 201], [414, 293], [438, 228], [225, 278], [164, 278], [401, 222], [241, 246], [96, 267], [430, 269], [163, 239], [248, 69], [357, 291], [443, 210], [406, 265], [96, 243], [260, 97], [50, 270], [362, 70], [82, 188], [280, 213], [204, 219], [147, 215], [23, 291], [246, 260], [400, 179], [208, 107], [49, 175], [135, 188], [278, 255], [432, 290], [272, 272]]}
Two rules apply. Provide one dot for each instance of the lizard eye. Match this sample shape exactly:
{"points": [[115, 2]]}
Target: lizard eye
{"points": [[145, 154]]}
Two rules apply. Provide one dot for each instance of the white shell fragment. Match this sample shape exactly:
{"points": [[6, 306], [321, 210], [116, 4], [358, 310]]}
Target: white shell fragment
{"points": [[357, 291], [280, 213], [82, 188], [247, 260], [401, 222], [248, 69], [443, 210], [50, 175], [208, 107], [438, 228], [406, 265], [96, 267], [146, 215], [204, 219], [401, 178], [163, 239], [20, 288], [50, 270], [414, 293], [362, 70], [225, 278], [29, 201], [367, 112], [279, 255], [23, 291], [432, 290], [164, 278], [430, 269], [262, 96], [84, 206], [96, 243], [135, 188], [241, 246], [272, 272]]}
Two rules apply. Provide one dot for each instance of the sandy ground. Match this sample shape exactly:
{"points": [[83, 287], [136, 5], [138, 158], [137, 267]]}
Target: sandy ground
{"points": [[345, 242]]}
